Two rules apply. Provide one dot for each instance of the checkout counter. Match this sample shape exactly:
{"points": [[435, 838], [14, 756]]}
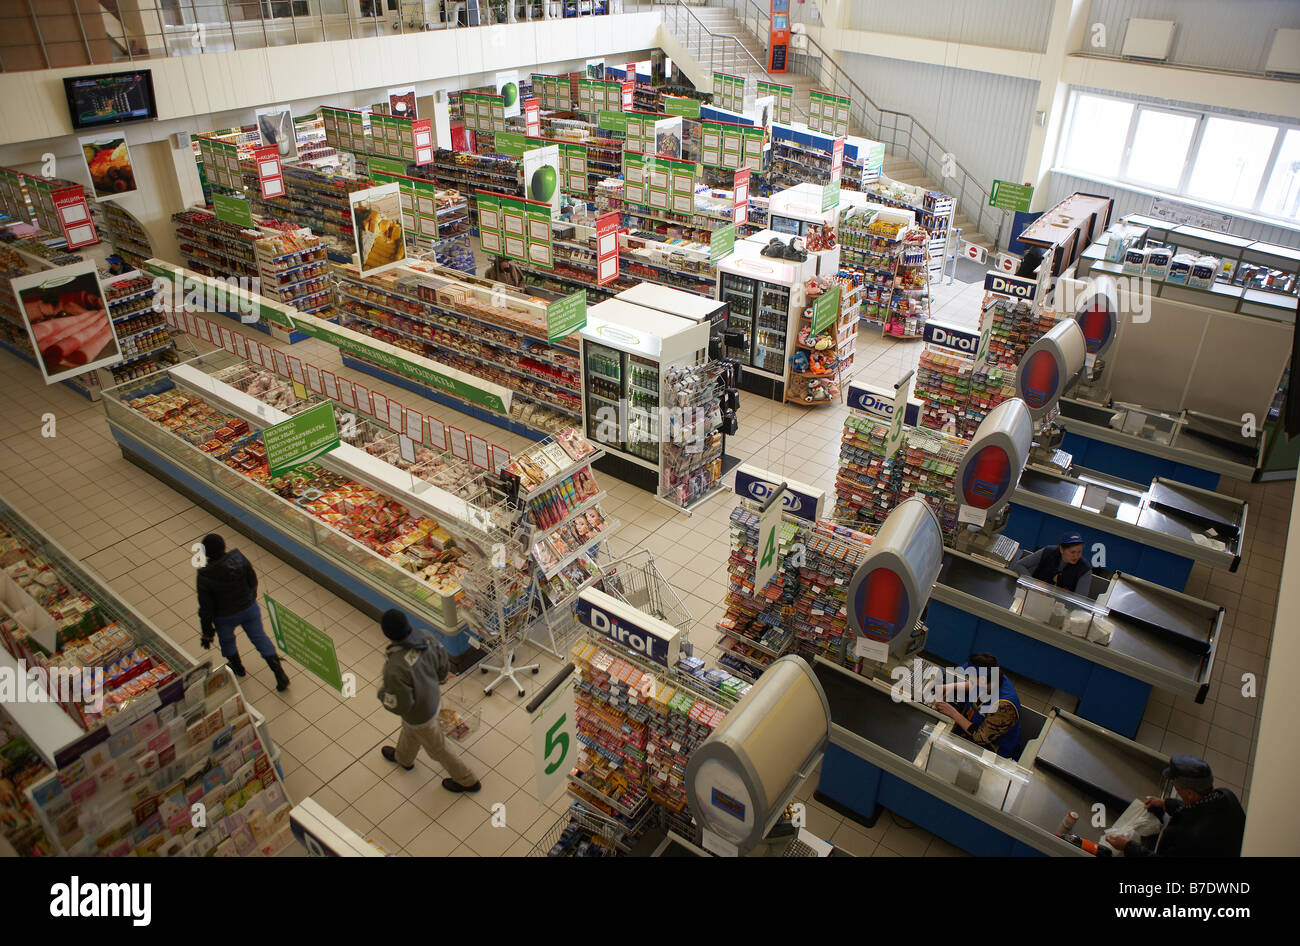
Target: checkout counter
{"points": [[904, 756], [1155, 531], [1109, 648]]}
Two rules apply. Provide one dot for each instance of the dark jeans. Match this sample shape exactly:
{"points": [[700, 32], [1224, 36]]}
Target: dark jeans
{"points": [[250, 619]]}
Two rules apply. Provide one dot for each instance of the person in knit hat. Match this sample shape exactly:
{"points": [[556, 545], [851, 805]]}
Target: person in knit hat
{"points": [[414, 667], [1201, 821]]}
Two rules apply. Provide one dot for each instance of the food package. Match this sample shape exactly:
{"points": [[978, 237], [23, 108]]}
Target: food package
{"points": [[1078, 622], [1101, 630]]}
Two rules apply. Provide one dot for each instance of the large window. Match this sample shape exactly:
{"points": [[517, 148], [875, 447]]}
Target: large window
{"points": [[1231, 162]]}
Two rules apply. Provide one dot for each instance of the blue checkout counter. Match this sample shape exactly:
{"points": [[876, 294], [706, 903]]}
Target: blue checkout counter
{"points": [[887, 753], [363, 579], [1161, 639], [1194, 449], [1156, 532]]}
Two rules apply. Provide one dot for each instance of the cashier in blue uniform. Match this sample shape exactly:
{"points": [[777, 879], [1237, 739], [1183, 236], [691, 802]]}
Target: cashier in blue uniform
{"points": [[1062, 565], [989, 714]]}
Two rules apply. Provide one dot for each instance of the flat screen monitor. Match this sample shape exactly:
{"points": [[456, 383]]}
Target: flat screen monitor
{"points": [[110, 99], [780, 22]]}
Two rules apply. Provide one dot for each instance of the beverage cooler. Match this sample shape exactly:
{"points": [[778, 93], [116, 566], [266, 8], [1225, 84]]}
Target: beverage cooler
{"points": [[626, 351], [765, 296], [793, 210]]}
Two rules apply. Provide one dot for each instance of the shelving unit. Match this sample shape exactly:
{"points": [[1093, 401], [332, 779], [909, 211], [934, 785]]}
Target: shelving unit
{"points": [[214, 247], [830, 367], [756, 627], [314, 197], [124, 232], [294, 269], [933, 210]]}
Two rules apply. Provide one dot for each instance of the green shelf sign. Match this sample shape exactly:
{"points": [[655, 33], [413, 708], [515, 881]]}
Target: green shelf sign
{"points": [[566, 316], [301, 438], [681, 105], [308, 645], [234, 210], [1007, 195], [721, 242], [825, 310]]}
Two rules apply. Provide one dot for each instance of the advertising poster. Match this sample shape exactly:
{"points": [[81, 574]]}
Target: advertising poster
{"points": [[596, 69], [67, 320], [377, 227], [668, 137], [507, 86], [401, 101], [275, 125], [108, 161], [542, 176]]}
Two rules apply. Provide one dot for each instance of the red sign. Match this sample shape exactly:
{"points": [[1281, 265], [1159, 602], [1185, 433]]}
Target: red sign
{"points": [[628, 86], [74, 217], [740, 210], [270, 176], [422, 135], [532, 118], [607, 247], [837, 159]]}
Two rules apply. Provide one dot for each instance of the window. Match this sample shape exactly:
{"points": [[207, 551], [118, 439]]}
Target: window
{"points": [[1159, 149], [1231, 161], [1217, 159], [1282, 198], [1097, 134]]}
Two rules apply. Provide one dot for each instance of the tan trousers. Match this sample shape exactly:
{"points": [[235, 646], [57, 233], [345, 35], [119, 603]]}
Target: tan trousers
{"points": [[430, 736]]}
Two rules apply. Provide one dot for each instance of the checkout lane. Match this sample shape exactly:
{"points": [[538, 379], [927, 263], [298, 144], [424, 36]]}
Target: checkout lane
{"points": [[1109, 651]]}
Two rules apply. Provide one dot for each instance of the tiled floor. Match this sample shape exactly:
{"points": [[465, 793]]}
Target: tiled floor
{"points": [[136, 533]]}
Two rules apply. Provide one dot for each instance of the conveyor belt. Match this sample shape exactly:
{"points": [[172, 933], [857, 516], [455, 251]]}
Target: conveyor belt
{"points": [[1220, 514], [1171, 522], [981, 581], [1097, 416], [1222, 435], [1113, 772], [871, 714], [1168, 617], [1052, 487]]}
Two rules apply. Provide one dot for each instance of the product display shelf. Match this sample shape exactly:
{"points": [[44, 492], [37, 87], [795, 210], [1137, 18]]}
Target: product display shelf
{"points": [[933, 209], [494, 336], [124, 232], [466, 173], [294, 269], [957, 392], [376, 534], [314, 197], [1016, 325], [216, 248], [692, 447], [755, 625], [830, 354], [832, 553], [204, 745]]}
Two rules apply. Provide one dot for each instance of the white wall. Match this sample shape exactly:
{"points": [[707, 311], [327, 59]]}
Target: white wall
{"points": [[982, 118], [1219, 34], [1011, 24]]}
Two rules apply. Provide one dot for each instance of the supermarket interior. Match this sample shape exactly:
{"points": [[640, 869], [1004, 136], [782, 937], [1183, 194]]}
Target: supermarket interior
{"points": [[615, 428]]}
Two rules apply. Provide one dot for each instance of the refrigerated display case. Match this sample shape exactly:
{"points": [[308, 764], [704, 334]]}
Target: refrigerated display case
{"points": [[765, 295], [795, 209], [626, 351]]}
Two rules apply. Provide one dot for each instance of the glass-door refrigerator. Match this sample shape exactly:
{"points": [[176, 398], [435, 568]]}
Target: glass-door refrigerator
{"points": [[765, 295], [738, 293], [606, 370]]}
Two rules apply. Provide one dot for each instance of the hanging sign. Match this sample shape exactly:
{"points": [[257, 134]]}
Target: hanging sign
{"points": [[607, 247], [740, 191]]}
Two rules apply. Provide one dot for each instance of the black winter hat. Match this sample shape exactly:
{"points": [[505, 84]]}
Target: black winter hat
{"points": [[395, 624], [214, 546]]}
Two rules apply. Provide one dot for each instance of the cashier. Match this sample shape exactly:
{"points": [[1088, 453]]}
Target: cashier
{"points": [[988, 711], [1062, 565]]}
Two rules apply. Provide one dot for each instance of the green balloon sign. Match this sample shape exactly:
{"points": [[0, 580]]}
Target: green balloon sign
{"points": [[542, 186], [510, 92]]}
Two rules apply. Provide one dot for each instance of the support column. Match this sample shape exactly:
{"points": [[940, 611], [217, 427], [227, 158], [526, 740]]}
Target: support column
{"points": [[1069, 26]]}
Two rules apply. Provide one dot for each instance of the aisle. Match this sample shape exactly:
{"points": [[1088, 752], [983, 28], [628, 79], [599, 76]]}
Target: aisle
{"points": [[136, 533]]}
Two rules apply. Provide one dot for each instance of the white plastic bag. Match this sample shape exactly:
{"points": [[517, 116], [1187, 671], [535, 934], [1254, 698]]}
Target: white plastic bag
{"points": [[1135, 824]]}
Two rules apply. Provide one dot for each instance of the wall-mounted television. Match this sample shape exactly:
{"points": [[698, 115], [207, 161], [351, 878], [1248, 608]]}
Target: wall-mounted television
{"points": [[110, 99]]}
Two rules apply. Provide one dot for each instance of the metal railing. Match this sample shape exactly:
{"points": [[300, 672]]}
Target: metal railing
{"points": [[902, 134], [720, 52], [45, 34]]}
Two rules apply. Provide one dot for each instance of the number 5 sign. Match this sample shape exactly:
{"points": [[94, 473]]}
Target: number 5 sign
{"points": [[554, 739]]}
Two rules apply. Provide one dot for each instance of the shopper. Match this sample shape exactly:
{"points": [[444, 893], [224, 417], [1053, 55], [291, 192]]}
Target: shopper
{"points": [[415, 664], [227, 588], [988, 688], [506, 271], [1030, 262], [1203, 821], [1062, 565]]}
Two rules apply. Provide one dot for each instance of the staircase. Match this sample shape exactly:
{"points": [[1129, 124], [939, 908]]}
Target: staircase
{"points": [[718, 41]]}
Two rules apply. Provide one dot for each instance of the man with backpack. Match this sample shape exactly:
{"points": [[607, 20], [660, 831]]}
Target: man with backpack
{"points": [[414, 667]]}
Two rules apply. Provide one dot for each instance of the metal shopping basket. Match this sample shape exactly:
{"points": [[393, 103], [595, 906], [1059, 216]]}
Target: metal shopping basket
{"points": [[600, 830], [634, 579]]}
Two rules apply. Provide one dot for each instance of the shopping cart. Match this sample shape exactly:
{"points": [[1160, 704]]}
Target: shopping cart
{"points": [[634, 579], [601, 832]]}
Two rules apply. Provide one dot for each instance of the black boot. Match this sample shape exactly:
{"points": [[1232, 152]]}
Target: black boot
{"points": [[281, 678], [236, 665]]}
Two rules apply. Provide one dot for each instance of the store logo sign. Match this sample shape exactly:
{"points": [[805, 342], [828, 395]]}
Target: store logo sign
{"points": [[616, 334], [797, 501], [946, 336], [647, 641], [1015, 286], [881, 404]]}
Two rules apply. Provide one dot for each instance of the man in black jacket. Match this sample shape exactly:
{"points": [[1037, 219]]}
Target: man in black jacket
{"points": [[227, 587], [1063, 566], [1203, 821]]}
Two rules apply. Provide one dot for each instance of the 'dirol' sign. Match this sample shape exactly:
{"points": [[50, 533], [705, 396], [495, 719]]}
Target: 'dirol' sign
{"points": [[640, 633], [800, 500], [880, 403], [951, 337], [1017, 287]]}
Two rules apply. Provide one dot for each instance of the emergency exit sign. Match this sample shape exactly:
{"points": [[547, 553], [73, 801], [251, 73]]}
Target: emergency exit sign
{"points": [[1008, 196]]}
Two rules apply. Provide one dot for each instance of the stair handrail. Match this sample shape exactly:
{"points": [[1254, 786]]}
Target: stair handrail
{"points": [[968, 183], [702, 28]]}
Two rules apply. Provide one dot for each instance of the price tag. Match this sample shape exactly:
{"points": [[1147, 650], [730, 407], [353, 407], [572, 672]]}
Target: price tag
{"points": [[866, 649], [969, 514], [407, 448]]}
